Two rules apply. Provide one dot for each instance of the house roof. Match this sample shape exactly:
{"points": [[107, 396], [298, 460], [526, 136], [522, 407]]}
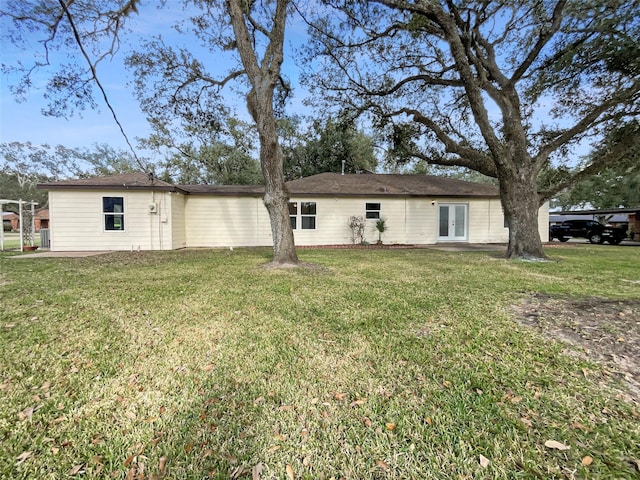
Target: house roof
{"points": [[256, 190], [126, 181], [372, 184], [323, 184]]}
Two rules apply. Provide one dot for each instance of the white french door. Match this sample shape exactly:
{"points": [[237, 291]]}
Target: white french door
{"points": [[453, 222]]}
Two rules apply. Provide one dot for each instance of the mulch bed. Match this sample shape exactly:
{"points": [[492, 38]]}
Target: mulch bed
{"points": [[607, 331]]}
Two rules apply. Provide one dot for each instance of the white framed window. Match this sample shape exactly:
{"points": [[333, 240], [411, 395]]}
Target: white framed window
{"points": [[293, 214], [113, 213], [372, 210], [303, 217], [308, 215]]}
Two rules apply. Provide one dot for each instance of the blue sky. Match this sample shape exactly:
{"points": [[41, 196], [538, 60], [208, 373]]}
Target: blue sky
{"points": [[24, 121]]}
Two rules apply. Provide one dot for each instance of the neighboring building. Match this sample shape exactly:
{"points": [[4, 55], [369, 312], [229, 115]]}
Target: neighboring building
{"points": [[41, 219], [139, 212]]}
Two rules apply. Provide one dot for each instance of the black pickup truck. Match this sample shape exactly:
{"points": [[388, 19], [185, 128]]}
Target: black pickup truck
{"points": [[594, 231]]}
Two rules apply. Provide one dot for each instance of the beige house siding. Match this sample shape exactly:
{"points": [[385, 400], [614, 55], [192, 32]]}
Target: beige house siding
{"points": [[222, 220], [543, 222], [226, 221], [177, 215], [77, 222], [409, 220]]}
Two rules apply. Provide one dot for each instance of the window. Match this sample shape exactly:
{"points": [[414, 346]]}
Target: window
{"points": [[293, 214], [113, 213], [372, 210], [308, 215]]}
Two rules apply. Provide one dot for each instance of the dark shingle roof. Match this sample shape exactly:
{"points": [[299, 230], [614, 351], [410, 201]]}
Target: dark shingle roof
{"points": [[323, 184], [135, 180], [389, 185], [223, 189]]}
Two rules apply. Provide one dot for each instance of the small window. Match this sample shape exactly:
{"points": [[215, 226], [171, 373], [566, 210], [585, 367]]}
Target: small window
{"points": [[113, 213], [308, 215], [372, 210], [293, 214]]}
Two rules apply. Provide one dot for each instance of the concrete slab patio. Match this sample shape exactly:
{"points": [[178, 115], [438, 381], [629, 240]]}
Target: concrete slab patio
{"points": [[49, 254]]}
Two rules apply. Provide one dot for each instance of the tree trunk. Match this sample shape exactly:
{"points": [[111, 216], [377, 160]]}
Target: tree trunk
{"points": [[520, 203], [276, 199], [276, 196]]}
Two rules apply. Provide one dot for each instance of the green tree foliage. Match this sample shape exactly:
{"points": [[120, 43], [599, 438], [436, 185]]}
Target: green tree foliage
{"points": [[615, 186], [23, 166], [505, 88], [610, 188], [224, 160], [325, 145]]}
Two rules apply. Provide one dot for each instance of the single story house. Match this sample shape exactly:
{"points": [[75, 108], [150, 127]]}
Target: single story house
{"points": [[136, 211]]}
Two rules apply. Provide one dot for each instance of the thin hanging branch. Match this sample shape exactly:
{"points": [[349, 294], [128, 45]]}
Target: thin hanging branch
{"points": [[94, 75]]}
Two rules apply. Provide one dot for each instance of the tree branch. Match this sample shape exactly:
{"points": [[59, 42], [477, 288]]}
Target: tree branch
{"points": [[94, 75]]}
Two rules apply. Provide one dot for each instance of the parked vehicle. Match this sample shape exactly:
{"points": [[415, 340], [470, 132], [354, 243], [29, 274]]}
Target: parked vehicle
{"points": [[594, 231]]}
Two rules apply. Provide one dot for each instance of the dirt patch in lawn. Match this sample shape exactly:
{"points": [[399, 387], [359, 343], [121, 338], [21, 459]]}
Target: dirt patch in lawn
{"points": [[607, 331]]}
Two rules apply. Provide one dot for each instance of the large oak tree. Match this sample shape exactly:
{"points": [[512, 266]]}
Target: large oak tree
{"points": [[505, 88]]}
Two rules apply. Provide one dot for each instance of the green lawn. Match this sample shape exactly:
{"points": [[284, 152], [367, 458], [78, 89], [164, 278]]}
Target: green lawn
{"points": [[377, 364]]}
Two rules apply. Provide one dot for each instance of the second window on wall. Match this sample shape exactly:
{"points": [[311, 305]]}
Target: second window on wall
{"points": [[372, 211], [305, 212]]}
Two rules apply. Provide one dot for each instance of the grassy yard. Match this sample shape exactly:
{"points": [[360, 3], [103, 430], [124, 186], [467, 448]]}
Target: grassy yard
{"points": [[377, 364]]}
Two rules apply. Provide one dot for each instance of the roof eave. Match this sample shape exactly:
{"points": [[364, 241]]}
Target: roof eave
{"points": [[156, 188]]}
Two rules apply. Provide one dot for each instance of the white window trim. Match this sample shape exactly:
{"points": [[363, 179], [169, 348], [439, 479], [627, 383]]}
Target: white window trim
{"points": [[104, 214], [378, 211]]}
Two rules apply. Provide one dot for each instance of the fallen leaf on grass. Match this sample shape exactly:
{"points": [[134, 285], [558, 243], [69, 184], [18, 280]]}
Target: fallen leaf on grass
{"points": [[390, 426], [339, 396], [527, 422], [383, 465], [586, 461], [76, 470], [208, 368], [428, 420], [162, 466], [286, 408], [290, 474], [22, 457], [580, 426], [360, 401], [256, 473], [129, 460], [556, 445], [131, 474], [484, 461], [28, 412]]}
